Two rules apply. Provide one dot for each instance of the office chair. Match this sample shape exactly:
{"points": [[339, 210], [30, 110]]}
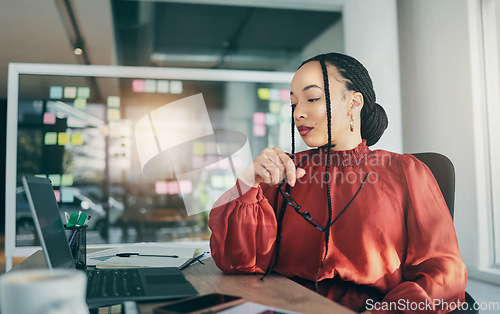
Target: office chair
{"points": [[443, 170]]}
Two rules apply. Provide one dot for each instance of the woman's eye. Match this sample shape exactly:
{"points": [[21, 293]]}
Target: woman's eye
{"points": [[294, 105], [312, 99]]}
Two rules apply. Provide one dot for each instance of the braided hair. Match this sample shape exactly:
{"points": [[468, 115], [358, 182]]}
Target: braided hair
{"points": [[356, 78], [373, 124]]}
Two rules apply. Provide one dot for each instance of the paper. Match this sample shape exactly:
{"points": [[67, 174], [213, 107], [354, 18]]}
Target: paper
{"points": [[150, 86], [176, 87], [70, 92], [138, 86], [114, 101], [162, 86], [255, 308], [161, 187], [259, 130], [63, 138], [55, 179], [275, 107], [100, 256], [108, 258], [113, 114], [50, 138], [259, 118], [76, 139], [56, 92], [83, 92], [67, 179], [67, 196], [49, 118], [80, 103], [263, 93]]}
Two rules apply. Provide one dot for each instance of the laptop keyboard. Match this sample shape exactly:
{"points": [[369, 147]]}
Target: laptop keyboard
{"points": [[114, 283]]}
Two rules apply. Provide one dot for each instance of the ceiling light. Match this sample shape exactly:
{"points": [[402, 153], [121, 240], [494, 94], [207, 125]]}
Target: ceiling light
{"points": [[78, 47], [78, 51]]}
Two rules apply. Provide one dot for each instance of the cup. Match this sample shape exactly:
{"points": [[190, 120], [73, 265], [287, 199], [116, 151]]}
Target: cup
{"points": [[46, 291]]}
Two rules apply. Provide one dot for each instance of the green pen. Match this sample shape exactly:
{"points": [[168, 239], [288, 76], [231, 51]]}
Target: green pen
{"points": [[81, 219], [72, 220]]}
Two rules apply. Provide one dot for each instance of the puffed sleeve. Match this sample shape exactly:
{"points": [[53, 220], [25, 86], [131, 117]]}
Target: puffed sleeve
{"points": [[433, 271], [243, 231]]}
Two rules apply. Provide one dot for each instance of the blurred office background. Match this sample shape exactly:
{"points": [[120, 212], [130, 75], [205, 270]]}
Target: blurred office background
{"points": [[435, 67]]}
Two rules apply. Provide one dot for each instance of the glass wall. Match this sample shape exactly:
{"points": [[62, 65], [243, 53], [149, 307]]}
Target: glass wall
{"points": [[79, 132]]}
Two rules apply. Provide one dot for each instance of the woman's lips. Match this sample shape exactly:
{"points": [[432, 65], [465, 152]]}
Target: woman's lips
{"points": [[304, 130]]}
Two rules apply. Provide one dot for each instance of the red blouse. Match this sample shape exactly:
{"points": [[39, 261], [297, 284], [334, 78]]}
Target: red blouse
{"points": [[395, 244]]}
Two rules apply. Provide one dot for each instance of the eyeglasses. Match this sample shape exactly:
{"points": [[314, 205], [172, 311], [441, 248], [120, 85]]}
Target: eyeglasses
{"points": [[305, 214]]}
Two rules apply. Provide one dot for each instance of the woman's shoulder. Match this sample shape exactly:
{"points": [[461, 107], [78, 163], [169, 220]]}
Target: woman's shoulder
{"points": [[406, 161]]}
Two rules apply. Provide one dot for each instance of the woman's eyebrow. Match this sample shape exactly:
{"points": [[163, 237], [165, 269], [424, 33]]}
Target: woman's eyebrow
{"points": [[308, 87]]}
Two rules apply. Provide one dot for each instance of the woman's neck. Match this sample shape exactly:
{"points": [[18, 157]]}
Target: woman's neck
{"points": [[346, 143]]}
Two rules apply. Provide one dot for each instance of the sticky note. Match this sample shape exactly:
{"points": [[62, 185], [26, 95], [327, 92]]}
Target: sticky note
{"points": [[263, 93], [285, 95], [67, 179], [113, 114], [259, 130], [176, 87], [76, 139], [67, 196], [274, 106], [57, 193], [271, 119], [56, 179], [173, 187], [274, 94], [83, 92], [224, 163], [186, 186], [211, 162], [237, 162], [150, 86], [50, 138], [80, 103], [161, 187], [212, 148], [70, 92], [199, 148], [49, 118], [217, 181], [56, 92], [259, 118], [229, 181], [138, 86], [62, 138], [162, 86], [114, 101], [197, 162]]}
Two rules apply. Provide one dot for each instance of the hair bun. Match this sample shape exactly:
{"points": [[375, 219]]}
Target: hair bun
{"points": [[373, 124]]}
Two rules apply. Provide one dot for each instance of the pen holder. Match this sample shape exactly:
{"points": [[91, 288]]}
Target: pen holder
{"points": [[77, 239]]}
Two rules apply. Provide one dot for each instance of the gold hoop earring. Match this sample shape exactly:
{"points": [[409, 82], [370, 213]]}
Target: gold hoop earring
{"points": [[351, 124]]}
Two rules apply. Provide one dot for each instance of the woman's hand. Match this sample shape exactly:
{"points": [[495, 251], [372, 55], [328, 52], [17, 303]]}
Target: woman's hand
{"points": [[270, 167]]}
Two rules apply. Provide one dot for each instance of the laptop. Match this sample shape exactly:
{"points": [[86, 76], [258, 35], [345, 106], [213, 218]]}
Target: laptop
{"points": [[104, 286]]}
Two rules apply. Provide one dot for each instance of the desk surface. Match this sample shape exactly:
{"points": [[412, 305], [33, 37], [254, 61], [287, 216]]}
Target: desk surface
{"points": [[274, 290]]}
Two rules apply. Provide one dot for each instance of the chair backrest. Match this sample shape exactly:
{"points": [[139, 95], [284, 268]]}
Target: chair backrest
{"points": [[443, 170]]}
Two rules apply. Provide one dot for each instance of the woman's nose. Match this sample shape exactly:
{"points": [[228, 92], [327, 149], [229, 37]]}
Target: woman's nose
{"points": [[299, 113]]}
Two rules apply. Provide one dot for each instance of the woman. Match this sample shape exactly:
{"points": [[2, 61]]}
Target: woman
{"points": [[357, 225]]}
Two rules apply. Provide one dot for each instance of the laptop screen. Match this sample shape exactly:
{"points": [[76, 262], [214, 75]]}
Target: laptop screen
{"points": [[48, 222]]}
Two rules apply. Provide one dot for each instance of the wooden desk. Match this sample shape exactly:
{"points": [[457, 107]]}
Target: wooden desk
{"points": [[274, 290]]}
